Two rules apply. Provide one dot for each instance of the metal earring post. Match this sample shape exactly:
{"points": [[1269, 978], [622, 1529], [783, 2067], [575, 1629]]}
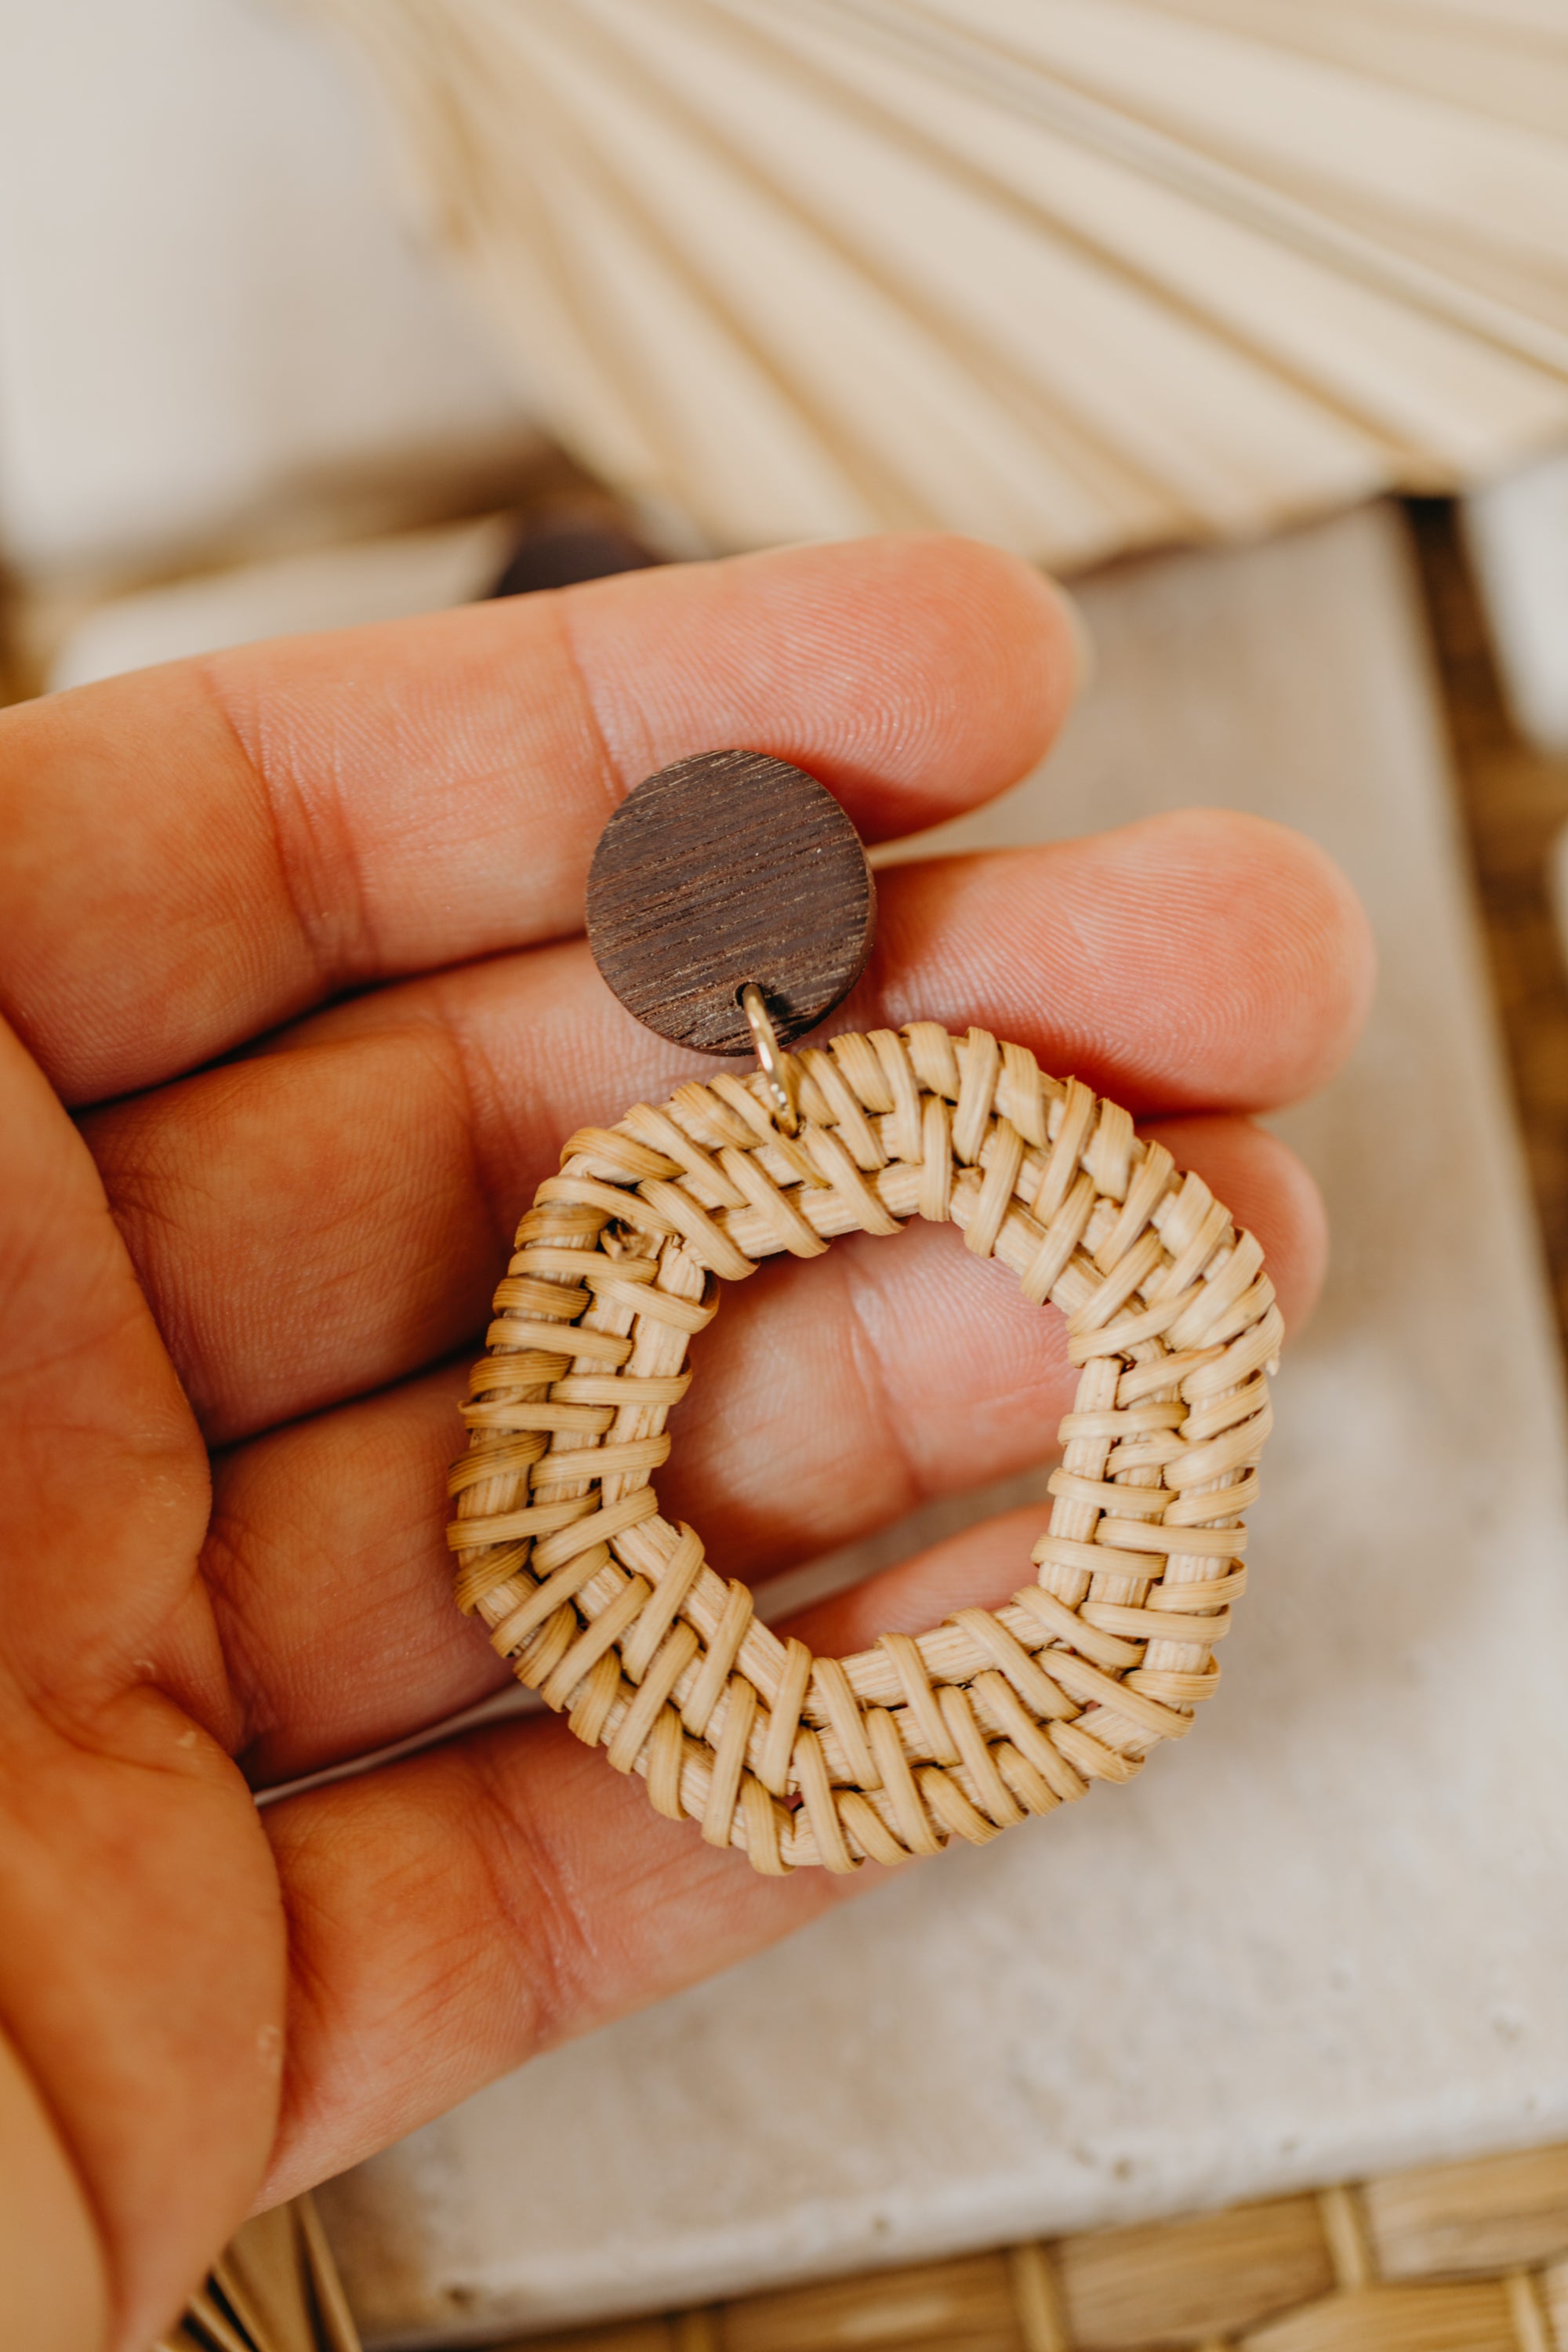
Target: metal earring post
{"points": [[773, 1062]]}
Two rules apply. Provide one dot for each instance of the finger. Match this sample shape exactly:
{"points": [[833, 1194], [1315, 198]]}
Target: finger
{"points": [[194, 852], [456, 1915], [890, 1375], [315, 1222], [1205, 960], [980, 1567]]}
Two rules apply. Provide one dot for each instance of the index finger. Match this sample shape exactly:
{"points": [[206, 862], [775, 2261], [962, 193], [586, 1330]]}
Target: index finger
{"points": [[196, 853]]}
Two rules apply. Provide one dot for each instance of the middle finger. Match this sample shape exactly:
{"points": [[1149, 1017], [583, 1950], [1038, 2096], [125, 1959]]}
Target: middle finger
{"points": [[332, 1214]]}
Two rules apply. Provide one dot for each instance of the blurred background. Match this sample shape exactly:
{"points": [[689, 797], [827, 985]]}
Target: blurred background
{"points": [[1251, 317]]}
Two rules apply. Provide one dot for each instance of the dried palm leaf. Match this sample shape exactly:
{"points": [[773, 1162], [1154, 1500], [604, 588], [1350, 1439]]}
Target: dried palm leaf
{"points": [[1075, 275]]}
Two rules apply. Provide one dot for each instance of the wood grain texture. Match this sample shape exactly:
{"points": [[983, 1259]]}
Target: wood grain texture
{"points": [[723, 868]]}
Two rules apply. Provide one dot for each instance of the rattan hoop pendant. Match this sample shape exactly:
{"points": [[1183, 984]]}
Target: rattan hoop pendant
{"points": [[612, 1614]]}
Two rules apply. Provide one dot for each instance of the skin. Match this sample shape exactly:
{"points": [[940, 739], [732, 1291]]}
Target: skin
{"points": [[297, 1014]]}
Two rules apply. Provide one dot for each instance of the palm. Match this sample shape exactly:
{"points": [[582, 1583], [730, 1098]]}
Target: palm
{"points": [[278, 1257]]}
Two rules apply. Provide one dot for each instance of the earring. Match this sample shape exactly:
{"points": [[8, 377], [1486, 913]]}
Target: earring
{"points": [[730, 908]]}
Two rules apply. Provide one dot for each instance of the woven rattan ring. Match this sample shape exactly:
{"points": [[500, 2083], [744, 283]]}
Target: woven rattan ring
{"points": [[611, 1612]]}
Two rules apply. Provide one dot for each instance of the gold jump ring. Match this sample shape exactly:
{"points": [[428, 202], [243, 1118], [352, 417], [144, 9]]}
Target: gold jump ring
{"points": [[775, 1063]]}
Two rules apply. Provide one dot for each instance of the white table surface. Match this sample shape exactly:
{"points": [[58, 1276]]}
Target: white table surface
{"points": [[1329, 1933]]}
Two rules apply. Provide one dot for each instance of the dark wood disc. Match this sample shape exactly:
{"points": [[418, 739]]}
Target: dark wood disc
{"points": [[723, 868]]}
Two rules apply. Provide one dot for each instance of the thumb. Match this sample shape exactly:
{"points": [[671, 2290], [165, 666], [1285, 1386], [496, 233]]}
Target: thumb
{"points": [[107, 1466], [140, 1961]]}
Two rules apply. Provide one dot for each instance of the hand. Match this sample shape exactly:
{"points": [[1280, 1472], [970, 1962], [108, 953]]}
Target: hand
{"points": [[293, 933]]}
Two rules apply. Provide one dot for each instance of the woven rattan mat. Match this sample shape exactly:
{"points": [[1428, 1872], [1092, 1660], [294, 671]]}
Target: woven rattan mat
{"points": [[1464, 2257], [1460, 2258]]}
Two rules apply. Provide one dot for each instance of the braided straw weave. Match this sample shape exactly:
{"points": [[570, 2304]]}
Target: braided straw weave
{"points": [[611, 1612]]}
